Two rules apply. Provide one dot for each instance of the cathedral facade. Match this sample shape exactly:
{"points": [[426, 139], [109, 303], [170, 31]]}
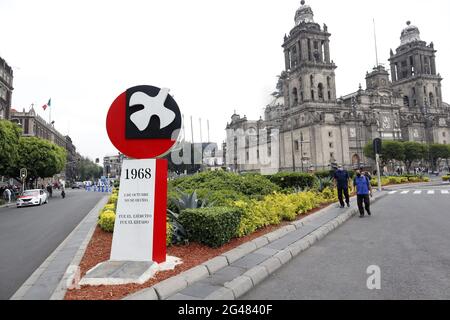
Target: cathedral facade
{"points": [[315, 129]]}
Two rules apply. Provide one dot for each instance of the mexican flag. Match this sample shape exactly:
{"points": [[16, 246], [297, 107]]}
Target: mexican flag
{"points": [[49, 103]]}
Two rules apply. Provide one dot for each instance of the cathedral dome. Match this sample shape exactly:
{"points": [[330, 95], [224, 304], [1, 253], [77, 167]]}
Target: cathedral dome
{"points": [[304, 14], [410, 34]]}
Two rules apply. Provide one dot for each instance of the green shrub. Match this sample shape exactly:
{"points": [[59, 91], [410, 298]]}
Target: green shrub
{"points": [[277, 207], [213, 226], [168, 234], [446, 178], [106, 221], [287, 180], [324, 174], [245, 184]]}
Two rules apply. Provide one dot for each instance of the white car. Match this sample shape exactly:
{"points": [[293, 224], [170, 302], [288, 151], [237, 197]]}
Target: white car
{"points": [[34, 197]]}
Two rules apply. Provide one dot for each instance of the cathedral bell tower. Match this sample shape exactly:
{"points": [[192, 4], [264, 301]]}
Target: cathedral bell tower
{"points": [[309, 75], [413, 72]]}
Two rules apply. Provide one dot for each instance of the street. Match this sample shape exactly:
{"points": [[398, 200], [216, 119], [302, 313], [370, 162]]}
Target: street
{"points": [[408, 237], [29, 235]]}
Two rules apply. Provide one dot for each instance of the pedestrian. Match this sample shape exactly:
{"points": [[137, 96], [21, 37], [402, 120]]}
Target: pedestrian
{"points": [[8, 195], [49, 190], [341, 177], [63, 189], [363, 190], [366, 173]]}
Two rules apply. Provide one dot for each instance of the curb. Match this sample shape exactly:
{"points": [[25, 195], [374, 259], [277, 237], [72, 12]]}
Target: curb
{"points": [[243, 283], [32, 280]]}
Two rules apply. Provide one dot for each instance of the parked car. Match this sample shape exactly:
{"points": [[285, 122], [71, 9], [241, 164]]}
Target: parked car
{"points": [[77, 185], [34, 197]]}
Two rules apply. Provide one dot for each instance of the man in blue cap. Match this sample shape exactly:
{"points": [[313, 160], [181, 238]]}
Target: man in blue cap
{"points": [[341, 177], [363, 190]]}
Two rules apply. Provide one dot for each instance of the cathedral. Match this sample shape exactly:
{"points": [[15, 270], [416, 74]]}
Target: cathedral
{"points": [[316, 129]]}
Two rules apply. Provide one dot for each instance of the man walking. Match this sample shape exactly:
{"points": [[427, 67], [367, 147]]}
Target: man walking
{"points": [[8, 195], [341, 177], [363, 190]]}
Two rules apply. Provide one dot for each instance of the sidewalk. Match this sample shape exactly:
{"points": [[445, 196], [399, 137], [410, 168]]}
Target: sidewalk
{"points": [[49, 280], [234, 273]]}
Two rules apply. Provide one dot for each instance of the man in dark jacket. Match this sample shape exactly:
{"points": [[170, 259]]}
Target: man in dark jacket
{"points": [[341, 177], [363, 190]]}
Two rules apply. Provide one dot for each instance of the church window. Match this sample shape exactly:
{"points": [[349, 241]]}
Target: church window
{"points": [[311, 80], [443, 134], [300, 82], [406, 101], [330, 145], [309, 50], [328, 82], [320, 91], [301, 96], [332, 155], [316, 45], [415, 103], [269, 151], [329, 95], [425, 90], [247, 156], [431, 99], [330, 134], [296, 145], [414, 90], [295, 96], [312, 95]]}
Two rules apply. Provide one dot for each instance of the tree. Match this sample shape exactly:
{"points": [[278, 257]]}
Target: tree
{"points": [[437, 152], [88, 170], [392, 150], [40, 157], [368, 150], [9, 141], [414, 151]]}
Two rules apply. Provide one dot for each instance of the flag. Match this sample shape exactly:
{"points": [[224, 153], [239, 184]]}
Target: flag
{"points": [[49, 103]]}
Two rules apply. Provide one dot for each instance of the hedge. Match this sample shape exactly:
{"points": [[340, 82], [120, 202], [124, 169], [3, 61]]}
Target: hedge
{"points": [[213, 226], [287, 180], [278, 207], [245, 184]]}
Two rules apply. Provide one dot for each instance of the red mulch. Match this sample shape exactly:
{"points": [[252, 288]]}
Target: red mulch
{"points": [[193, 254]]}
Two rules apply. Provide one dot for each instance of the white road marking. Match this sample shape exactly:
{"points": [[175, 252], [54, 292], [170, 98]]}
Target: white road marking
{"points": [[430, 191], [392, 192], [405, 192], [445, 192], [418, 192]]}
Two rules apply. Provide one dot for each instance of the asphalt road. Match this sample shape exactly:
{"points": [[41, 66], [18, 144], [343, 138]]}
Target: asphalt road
{"points": [[29, 235], [408, 237]]}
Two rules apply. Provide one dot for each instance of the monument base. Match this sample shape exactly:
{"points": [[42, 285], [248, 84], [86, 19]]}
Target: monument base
{"points": [[126, 272]]}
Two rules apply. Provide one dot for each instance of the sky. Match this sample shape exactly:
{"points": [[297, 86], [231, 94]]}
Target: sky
{"points": [[214, 56]]}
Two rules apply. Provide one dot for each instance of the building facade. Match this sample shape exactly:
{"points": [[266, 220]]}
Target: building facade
{"points": [[34, 126], [6, 89], [112, 165], [316, 129]]}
